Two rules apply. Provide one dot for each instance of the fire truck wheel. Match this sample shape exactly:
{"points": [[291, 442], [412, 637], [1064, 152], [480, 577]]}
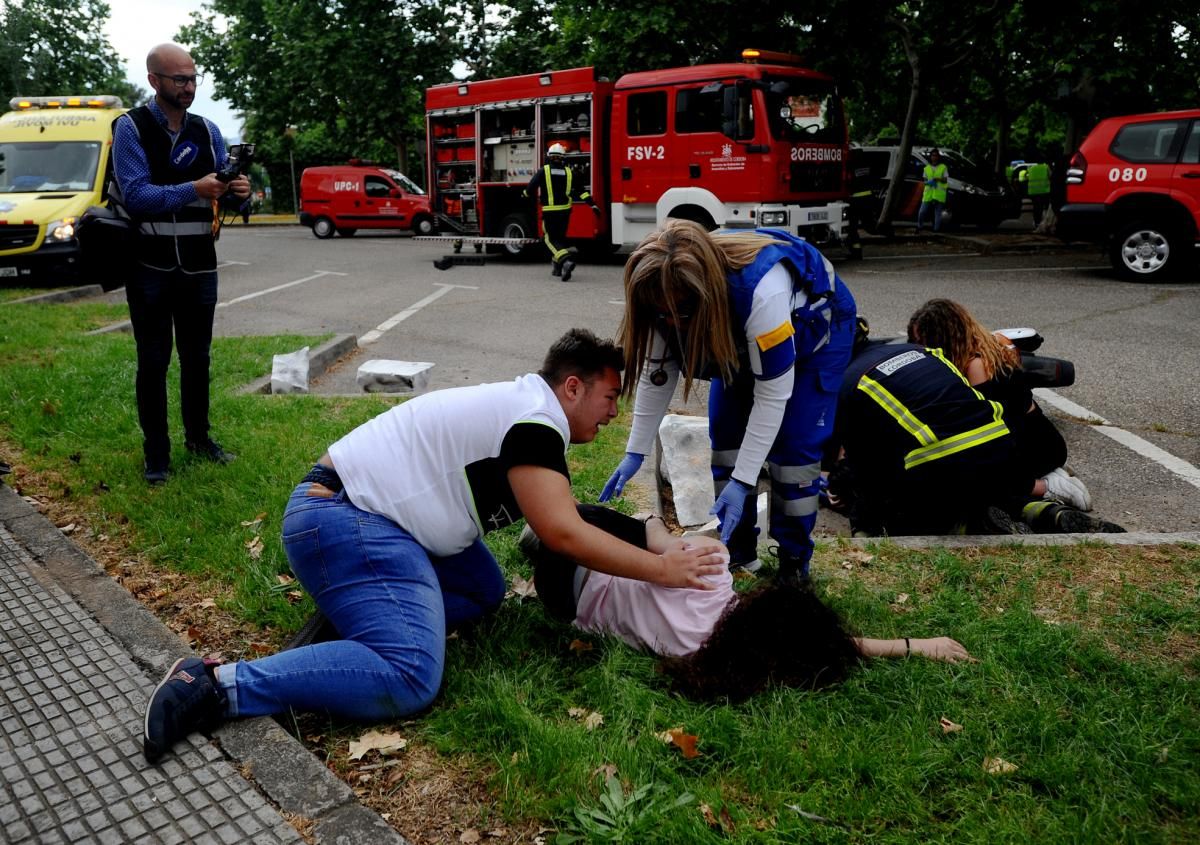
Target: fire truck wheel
{"points": [[323, 228], [347, 233], [423, 225], [517, 226]]}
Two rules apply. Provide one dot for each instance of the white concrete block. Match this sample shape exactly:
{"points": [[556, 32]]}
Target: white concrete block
{"points": [[383, 376]]}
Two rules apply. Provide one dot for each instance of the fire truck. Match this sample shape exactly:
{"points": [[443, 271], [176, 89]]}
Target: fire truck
{"points": [[762, 142]]}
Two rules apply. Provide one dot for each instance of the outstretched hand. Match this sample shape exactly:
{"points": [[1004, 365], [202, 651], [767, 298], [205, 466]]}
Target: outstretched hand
{"points": [[729, 506], [942, 648], [625, 470], [688, 566]]}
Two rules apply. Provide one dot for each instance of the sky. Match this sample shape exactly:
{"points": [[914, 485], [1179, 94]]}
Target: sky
{"points": [[136, 26]]}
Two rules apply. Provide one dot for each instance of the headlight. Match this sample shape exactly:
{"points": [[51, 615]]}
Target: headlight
{"points": [[61, 230], [773, 218]]}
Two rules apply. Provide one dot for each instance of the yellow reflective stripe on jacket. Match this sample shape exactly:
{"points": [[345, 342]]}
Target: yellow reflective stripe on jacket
{"points": [[958, 443], [896, 410], [551, 205], [936, 352]]}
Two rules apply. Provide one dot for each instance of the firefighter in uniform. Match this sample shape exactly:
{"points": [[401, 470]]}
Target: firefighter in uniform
{"points": [[555, 182], [860, 199], [925, 452]]}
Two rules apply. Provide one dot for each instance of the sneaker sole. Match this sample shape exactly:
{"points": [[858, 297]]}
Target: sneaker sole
{"points": [[749, 566], [146, 743]]}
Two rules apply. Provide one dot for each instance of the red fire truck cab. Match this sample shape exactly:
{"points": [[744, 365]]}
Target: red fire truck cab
{"points": [[760, 143]]}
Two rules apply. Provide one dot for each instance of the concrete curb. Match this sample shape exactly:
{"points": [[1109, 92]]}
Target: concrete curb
{"points": [[67, 295], [279, 765], [958, 541], [320, 360]]}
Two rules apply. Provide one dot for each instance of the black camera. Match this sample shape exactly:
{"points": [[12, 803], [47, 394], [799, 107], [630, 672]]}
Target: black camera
{"points": [[241, 156]]}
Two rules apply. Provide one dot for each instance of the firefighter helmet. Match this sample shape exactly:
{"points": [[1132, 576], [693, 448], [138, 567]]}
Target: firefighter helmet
{"points": [[556, 149]]}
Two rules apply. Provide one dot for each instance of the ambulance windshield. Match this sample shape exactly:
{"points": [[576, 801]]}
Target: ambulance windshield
{"points": [[404, 182], [805, 110], [29, 166]]}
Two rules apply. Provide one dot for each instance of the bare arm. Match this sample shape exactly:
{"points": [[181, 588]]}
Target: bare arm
{"points": [[937, 648], [546, 501], [659, 538]]}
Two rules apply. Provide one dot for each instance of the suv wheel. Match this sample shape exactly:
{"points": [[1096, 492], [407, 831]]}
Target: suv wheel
{"points": [[1144, 251]]}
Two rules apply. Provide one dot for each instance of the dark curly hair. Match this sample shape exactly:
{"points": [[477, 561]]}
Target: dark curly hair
{"points": [[777, 634]]}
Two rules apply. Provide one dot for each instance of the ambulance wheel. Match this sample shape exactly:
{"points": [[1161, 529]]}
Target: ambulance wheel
{"points": [[423, 225], [517, 226], [323, 228], [347, 233]]}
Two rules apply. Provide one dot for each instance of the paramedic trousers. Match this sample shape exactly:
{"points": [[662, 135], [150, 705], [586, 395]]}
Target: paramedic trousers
{"points": [[794, 460], [171, 307], [387, 596]]}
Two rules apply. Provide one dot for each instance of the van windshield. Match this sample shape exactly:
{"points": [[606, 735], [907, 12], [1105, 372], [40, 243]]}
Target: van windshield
{"points": [[409, 186], [805, 110], [27, 166]]}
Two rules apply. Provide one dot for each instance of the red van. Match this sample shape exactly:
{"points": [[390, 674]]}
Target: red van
{"points": [[347, 197]]}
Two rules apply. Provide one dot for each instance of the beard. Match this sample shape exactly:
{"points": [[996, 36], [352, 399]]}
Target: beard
{"points": [[178, 99]]}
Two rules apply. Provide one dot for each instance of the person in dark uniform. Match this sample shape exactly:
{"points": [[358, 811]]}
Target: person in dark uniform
{"points": [[555, 183], [861, 205]]}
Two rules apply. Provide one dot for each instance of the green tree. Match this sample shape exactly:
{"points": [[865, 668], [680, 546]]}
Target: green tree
{"points": [[50, 48]]}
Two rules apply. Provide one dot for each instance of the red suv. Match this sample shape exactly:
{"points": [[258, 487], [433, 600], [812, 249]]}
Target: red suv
{"points": [[1135, 185]]}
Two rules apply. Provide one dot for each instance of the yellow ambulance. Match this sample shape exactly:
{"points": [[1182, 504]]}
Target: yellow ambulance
{"points": [[53, 155]]}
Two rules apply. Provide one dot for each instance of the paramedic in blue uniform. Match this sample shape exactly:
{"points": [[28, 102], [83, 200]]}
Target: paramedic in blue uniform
{"points": [[166, 161], [763, 315], [555, 183]]}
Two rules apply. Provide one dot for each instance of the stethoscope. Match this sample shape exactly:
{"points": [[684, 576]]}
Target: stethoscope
{"points": [[658, 376]]}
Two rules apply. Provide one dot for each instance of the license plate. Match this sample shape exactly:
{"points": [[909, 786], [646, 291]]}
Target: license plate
{"points": [[8, 272], [818, 216]]}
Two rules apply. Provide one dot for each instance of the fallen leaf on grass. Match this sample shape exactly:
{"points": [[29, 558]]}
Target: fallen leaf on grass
{"points": [[68, 528], [863, 558], [285, 579], [902, 598], [207, 604], [726, 822], [579, 646], [294, 596], [521, 588], [949, 727], [256, 522], [260, 648], [710, 818], [685, 742], [608, 770], [376, 741], [193, 633], [469, 836], [255, 547], [998, 766], [590, 718]]}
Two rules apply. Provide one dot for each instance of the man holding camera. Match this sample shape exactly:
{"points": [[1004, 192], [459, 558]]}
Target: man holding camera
{"points": [[170, 169]]}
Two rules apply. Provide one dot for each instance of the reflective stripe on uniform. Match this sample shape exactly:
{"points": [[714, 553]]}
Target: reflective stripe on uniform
{"points": [[556, 253], [897, 411], [725, 458], [551, 205], [801, 475], [957, 443], [166, 228], [794, 507]]}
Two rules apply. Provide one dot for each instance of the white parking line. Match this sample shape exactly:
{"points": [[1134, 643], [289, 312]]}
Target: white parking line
{"points": [[392, 322], [232, 263], [1179, 466], [284, 286]]}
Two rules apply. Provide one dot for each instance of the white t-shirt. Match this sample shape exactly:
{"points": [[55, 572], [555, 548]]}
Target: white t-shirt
{"points": [[438, 464], [671, 621]]}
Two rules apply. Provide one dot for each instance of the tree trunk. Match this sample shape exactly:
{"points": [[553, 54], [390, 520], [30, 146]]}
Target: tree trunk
{"points": [[892, 197]]}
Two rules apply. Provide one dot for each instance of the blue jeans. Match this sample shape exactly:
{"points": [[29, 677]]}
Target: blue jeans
{"points": [[165, 307], [386, 595], [935, 208]]}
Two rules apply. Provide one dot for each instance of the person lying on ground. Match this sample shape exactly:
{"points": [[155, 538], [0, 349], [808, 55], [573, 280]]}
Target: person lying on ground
{"points": [[385, 532], [715, 643]]}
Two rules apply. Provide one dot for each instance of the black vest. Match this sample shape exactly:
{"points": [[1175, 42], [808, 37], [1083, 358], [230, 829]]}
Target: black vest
{"points": [[182, 238]]}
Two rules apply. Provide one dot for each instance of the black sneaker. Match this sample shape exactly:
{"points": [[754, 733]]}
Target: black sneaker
{"points": [[187, 699], [211, 450], [791, 570], [998, 521], [1072, 521], [556, 270], [568, 267], [156, 475]]}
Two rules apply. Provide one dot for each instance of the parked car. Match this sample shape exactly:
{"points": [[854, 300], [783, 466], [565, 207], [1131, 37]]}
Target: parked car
{"points": [[1134, 185], [359, 195], [976, 196]]}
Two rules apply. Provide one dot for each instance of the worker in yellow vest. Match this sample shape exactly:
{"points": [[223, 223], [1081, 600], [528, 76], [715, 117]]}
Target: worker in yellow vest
{"points": [[937, 182], [555, 183], [1037, 180]]}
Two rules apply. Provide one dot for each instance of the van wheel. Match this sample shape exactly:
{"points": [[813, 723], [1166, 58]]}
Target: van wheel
{"points": [[517, 226], [1144, 251], [347, 233], [323, 228], [423, 225]]}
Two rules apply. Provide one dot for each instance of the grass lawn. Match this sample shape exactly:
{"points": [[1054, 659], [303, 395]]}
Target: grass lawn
{"points": [[1079, 723]]}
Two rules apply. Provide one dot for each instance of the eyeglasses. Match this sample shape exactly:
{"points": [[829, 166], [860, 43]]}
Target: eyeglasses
{"points": [[180, 80]]}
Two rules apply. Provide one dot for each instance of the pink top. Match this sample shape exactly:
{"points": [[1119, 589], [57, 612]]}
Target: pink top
{"points": [[668, 620]]}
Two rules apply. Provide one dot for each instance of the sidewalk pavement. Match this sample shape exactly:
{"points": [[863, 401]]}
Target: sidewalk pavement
{"points": [[79, 657]]}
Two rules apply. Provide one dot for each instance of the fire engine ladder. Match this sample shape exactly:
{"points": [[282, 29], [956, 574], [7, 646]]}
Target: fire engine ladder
{"points": [[477, 241]]}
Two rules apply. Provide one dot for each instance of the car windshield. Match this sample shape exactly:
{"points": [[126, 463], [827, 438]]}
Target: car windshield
{"points": [[27, 166], [805, 110], [404, 182]]}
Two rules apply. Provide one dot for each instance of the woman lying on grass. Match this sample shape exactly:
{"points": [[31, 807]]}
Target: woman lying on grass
{"points": [[716, 643]]}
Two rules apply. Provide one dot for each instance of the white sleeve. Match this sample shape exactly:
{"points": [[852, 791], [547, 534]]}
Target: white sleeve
{"points": [[651, 400], [766, 416]]}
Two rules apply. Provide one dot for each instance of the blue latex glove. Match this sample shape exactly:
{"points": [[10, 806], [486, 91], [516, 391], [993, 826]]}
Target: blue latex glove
{"points": [[728, 507], [626, 470]]}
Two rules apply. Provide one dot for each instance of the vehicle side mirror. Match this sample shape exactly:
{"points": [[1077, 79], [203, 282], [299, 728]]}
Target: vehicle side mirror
{"points": [[395, 192]]}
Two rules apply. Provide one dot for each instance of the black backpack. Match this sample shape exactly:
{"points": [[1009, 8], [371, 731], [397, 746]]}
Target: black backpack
{"points": [[107, 236]]}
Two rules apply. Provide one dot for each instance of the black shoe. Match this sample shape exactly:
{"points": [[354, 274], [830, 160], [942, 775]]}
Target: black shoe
{"points": [[998, 521], [211, 450], [156, 475], [1069, 520], [556, 270], [187, 699], [792, 570], [568, 267]]}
